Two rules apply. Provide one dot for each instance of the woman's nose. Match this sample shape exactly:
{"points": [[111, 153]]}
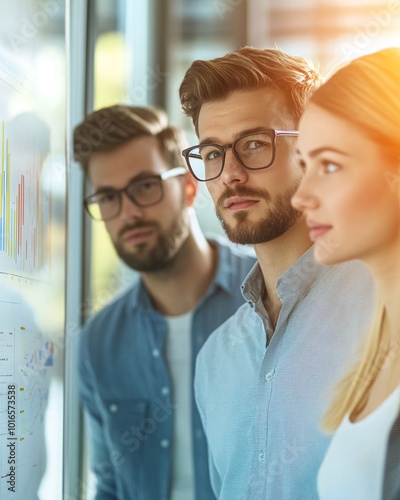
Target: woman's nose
{"points": [[304, 197]]}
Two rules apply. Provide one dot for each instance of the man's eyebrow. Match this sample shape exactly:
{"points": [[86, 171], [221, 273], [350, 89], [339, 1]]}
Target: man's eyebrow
{"points": [[323, 149], [254, 130], [138, 177]]}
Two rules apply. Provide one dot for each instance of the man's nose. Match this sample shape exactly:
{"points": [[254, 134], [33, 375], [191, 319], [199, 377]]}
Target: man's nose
{"points": [[129, 209], [233, 172]]}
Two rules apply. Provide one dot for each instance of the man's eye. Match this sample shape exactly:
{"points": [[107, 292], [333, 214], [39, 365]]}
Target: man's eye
{"points": [[208, 155], [105, 198], [144, 186], [255, 144]]}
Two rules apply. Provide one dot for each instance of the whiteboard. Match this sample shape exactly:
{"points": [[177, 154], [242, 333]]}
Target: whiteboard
{"points": [[32, 249]]}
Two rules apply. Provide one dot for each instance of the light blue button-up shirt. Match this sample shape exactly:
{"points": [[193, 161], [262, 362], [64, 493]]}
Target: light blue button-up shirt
{"points": [[126, 389], [261, 403]]}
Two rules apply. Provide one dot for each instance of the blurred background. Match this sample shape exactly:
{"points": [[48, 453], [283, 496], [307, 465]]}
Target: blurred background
{"points": [[60, 59], [149, 46]]}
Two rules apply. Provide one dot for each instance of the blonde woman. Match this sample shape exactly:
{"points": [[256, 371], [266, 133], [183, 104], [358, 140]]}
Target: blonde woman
{"points": [[349, 144]]}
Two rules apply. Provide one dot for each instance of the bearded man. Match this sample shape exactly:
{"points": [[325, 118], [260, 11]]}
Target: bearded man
{"points": [[137, 355], [263, 378]]}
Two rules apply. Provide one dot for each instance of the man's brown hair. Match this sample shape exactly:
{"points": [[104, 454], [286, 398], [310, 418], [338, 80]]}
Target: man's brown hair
{"points": [[248, 69], [110, 127]]}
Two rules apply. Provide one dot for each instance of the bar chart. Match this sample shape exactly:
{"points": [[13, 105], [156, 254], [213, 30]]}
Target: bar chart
{"points": [[25, 213]]}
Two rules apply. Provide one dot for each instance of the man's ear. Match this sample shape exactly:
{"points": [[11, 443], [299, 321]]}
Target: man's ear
{"points": [[191, 186]]}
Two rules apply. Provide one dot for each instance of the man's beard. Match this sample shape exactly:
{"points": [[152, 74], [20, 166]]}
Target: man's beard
{"points": [[280, 216], [165, 250]]}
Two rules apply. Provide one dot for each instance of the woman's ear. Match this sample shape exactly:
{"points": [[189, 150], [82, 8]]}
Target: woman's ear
{"points": [[191, 186]]}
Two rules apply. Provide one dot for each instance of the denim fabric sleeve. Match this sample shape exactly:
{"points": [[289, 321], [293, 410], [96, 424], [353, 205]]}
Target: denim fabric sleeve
{"points": [[99, 452]]}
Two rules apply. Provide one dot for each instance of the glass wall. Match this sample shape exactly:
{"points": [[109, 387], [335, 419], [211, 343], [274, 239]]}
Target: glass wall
{"points": [[110, 50], [32, 247]]}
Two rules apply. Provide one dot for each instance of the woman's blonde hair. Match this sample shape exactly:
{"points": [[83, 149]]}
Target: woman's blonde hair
{"points": [[365, 92], [352, 392]]}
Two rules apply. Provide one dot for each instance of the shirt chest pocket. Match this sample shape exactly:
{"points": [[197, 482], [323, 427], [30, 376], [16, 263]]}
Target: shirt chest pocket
{"points": [[126, 424]]}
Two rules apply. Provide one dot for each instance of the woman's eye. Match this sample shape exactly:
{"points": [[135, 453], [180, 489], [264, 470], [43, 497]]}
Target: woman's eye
{"points": [[330, 168]]}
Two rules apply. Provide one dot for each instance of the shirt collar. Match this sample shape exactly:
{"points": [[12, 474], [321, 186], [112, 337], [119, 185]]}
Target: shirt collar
{"points": [[140, 297], [224, 276], [295, 281]]}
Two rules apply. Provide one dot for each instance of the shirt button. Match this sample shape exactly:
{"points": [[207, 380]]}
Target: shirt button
{"points": [[113, 408], [269, 375], [165, 391], [155, 353], [164, 443], [261, 456]]}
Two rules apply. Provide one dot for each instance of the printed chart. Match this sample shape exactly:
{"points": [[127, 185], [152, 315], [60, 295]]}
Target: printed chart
{"points": [[26, 353], [25, 214], [25, 361]]}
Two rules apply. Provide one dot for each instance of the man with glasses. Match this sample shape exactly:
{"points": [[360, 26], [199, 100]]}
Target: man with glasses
{"points": [[263, 379], [136, 359]]}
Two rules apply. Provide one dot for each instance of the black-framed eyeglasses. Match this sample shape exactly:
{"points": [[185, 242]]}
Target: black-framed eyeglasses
{"points": [[253, 151], [143, 192]]}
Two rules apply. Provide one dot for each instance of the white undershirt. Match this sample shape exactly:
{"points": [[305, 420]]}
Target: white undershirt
{"points": [[178, 354], [353, 467]]}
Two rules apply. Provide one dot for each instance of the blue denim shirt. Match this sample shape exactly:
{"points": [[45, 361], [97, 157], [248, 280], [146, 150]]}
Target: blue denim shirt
{"points": [[261, 403], [126, 389]]}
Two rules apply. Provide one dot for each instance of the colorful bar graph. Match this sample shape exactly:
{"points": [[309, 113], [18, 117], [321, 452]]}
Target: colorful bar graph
{"points": [[24, 215]]}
